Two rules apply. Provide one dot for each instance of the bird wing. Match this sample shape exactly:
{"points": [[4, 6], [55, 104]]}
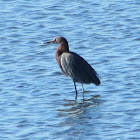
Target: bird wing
{"points": [[78, 69]]}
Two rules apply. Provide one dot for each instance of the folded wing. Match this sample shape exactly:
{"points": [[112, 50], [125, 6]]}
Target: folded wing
{"points": [[78, 69]]}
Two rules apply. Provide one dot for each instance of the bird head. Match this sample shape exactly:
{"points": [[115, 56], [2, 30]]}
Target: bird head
{"points": [[57, 40]]}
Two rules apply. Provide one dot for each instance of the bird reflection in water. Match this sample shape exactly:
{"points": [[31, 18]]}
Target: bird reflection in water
{"points": [[77, 117], [74, 107]]}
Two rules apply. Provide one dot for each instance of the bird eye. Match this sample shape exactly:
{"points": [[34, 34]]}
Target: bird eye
{"points": [[56, 40]]}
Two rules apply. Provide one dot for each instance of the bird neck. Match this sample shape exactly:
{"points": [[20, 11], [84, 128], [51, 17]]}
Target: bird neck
{"points": [[64, 47]]}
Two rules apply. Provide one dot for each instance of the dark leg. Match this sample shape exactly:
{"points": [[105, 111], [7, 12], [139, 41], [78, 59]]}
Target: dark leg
{"points": [[75, 90]]}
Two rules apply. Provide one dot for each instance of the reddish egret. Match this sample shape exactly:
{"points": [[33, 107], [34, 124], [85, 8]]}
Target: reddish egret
{"points": [[73, 65]]}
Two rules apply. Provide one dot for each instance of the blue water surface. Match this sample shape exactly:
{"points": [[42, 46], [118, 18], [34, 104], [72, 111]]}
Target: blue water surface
{"points": [[37, 102]]}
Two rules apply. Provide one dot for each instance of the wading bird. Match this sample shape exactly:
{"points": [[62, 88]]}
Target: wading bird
{"points": [[73, 65]]}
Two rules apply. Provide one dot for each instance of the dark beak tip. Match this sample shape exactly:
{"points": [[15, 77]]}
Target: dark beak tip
{"points": [[48, 42]]}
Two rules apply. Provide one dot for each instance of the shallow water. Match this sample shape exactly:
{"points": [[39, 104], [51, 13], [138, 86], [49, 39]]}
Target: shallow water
{"points": [[37, 101]]}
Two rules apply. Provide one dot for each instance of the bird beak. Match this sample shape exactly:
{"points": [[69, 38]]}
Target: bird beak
{"points": [[50, 41]]}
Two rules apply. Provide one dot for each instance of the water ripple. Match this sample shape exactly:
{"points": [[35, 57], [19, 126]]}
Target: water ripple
{"points": [[37, 100]]}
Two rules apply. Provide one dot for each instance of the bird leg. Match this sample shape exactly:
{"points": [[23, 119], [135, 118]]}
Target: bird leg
{"points": [[83, 88], [75, 90], [83, 91]]}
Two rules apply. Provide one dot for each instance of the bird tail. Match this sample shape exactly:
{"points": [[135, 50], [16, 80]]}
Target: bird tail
{"points": [[95, 78], [98, 82]]}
